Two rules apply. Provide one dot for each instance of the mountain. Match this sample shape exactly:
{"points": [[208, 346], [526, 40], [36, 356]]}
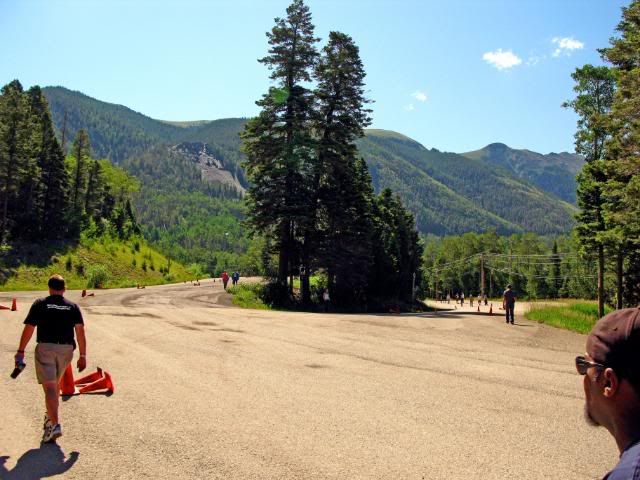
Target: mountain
{"points": [[493, 188], [450, 193], [554, 173]]}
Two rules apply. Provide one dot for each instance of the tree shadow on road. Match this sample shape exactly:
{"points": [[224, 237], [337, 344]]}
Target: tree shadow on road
{"points": [[38, 463]]}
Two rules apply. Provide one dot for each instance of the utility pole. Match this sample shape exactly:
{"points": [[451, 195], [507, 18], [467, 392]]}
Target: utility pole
{"points": [[436, 284], [482, 274], [413, 288]]}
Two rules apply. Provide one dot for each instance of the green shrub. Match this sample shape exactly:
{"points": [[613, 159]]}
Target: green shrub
{"points": [[98, 276], [575, 316], [80, 269], [248, 295]]}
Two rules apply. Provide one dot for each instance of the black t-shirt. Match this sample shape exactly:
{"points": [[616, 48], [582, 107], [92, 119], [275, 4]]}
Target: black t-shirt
{"points": [[55, 317], [509, 297]]}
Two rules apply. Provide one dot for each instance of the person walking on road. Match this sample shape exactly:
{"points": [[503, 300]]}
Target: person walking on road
{"points": [[56, 319], [235, 276], [326, 299], [509, 303], [611, 369], [225, 279], [462, 299]]}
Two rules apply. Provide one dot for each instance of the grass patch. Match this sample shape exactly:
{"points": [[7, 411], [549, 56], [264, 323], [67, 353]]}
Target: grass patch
{"points": [[248, 295], [90, 263], [571, 315]]}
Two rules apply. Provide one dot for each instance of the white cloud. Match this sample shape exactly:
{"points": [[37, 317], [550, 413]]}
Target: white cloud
{"points": [[410, 107], [420, 96], [502, 60], [566, 45]]}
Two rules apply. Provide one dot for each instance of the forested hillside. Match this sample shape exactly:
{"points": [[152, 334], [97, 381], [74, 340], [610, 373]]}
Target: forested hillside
{"points": [[477, 196], [554, 173], [189, 208], [72, 208]]}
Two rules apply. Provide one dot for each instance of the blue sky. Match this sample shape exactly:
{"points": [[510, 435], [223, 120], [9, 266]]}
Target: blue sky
{"points": [[454, 75]]}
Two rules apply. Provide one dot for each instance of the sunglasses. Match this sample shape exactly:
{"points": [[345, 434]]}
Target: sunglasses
{"points": [[582, 365]]}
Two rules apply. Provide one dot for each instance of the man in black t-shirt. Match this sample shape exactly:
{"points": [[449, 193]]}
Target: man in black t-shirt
{"points": [[56, 320], [509, 302]]}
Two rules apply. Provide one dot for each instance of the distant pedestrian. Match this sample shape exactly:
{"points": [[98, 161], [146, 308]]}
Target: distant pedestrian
{"points": [[235, 276], [225, 279], [448, 298], [462, 299], [457, 298], [326, 300], [471, 300], [611, 369], [509, 303], [485, 300], [479, 299]]}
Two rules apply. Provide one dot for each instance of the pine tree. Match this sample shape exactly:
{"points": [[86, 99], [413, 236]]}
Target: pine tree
{"points": [[340, 178], [397, 250], [622, 191], [278, 143], [14, 148], [595, 87], [51, 202], [81, 150]]}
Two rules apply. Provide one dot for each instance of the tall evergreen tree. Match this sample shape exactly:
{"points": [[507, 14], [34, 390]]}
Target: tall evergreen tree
{"points": [[51, 201], [397, 250], [622, 192], [278, 143], [81, 152], [595, 87], [341, 181], [14, 148]]}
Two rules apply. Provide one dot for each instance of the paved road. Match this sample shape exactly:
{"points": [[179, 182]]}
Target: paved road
{"points": [[210, 391]]}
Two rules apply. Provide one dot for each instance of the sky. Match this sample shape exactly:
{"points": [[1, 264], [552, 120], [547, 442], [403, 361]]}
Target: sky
{"points": [[454, 75]]}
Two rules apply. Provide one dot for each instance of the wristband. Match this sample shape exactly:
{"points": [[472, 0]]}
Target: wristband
{"points": [[83, 355], [20, 351]]}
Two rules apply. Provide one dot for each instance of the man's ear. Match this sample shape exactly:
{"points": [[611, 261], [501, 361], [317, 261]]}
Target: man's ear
{"points": [[611, 382]]}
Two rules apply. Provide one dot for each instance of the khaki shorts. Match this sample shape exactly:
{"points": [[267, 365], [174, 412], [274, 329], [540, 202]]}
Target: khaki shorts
{"points": [[52, 360]]}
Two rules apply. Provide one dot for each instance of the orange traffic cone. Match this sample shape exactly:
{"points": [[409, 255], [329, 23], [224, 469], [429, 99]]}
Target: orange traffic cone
{"points": [[104, 383], [92, 377], [84, 293], [2, 307], [67, 385], [14, 306], [91, 294]]}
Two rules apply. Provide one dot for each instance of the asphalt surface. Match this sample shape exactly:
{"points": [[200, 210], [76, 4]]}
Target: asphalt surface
{"points": [[207, 390]]}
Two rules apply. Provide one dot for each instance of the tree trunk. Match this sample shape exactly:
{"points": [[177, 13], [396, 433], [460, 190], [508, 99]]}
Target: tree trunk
{"points": [[619, 278], [283, 255], [600, 281]]}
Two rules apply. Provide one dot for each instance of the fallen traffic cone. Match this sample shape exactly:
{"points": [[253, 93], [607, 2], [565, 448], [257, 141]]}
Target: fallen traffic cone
{"points": [[14, 306], [92, 377], [2, 307], [84, 293], [105, 383], [67, 385], [91, 294]]}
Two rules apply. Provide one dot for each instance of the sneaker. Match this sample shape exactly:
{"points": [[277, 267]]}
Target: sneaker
{"points": [[47, 422], [51, 433]]}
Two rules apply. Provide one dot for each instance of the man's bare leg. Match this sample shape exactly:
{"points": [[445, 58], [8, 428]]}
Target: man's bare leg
{"points": [[52, 400]]}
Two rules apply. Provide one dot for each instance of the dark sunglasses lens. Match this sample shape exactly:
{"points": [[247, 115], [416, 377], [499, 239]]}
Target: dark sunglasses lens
{"points": [[582, 365]]}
